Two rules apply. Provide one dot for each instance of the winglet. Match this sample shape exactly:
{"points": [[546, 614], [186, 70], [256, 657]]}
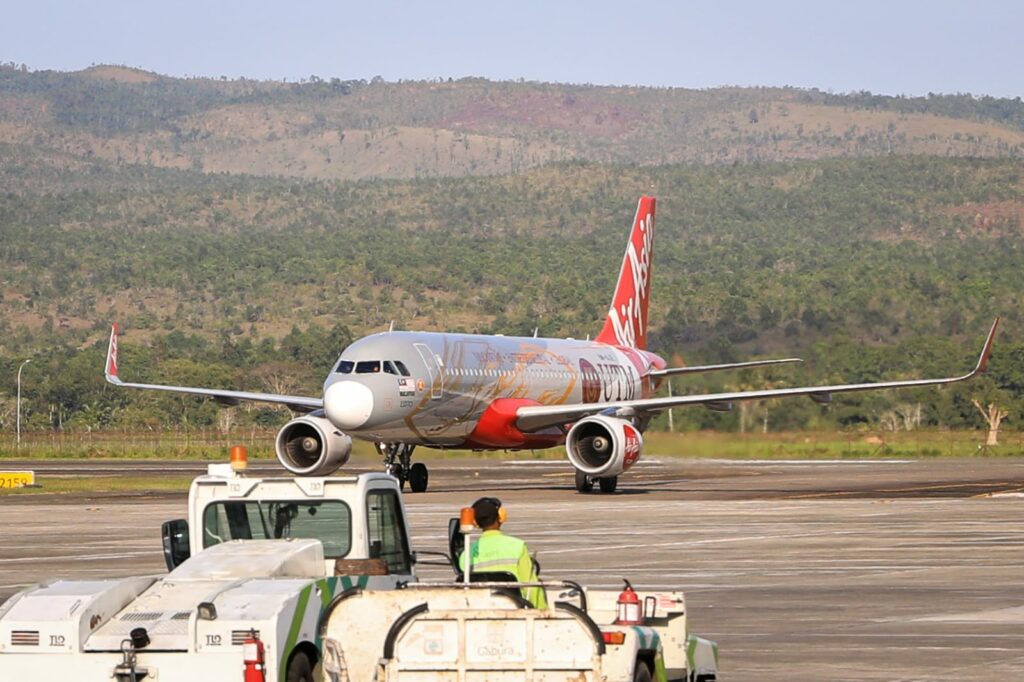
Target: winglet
{"points": [[111, 368], [987, 350]]}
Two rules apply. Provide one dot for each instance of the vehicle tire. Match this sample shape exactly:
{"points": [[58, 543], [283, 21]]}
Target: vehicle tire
{"points": [[418, 477], [608, 484], [641, 674], [584, 483], [301, 670]]}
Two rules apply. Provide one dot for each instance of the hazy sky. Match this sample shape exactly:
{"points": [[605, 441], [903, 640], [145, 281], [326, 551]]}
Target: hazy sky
{"points": [[889, 47]]}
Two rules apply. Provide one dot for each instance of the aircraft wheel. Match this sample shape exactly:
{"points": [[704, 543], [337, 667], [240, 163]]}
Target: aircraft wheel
{"points": [[399, 473], [608, 484], [584, 483], [418, 477]]}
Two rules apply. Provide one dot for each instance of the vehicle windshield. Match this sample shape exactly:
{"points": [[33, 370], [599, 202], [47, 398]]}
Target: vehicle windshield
{"points": [[345, 367], [329, 521]]}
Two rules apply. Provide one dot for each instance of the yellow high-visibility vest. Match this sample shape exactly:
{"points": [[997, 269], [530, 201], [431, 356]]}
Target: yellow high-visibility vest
{"points": [[495, 551]]}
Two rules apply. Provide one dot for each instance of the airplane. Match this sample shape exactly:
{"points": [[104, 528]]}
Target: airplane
{"points": [[403, 389]]}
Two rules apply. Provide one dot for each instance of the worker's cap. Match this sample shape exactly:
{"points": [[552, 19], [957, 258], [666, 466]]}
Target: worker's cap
{"points": [[487, 510]]}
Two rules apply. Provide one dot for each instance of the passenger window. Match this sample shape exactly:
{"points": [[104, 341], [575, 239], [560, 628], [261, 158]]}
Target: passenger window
{"points": [[389, 368], [403, 370], [345, 367], [368, 367], [387, 531]]}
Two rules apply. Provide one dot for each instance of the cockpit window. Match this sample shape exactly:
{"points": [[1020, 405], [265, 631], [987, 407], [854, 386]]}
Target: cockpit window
{"points": [[368, 367], [389, 367], [345, 367], [403, 370]]}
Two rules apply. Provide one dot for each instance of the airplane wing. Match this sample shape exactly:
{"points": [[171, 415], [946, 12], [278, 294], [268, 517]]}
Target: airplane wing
{"points": [[696, 369], [535, 418], [293, 402]]}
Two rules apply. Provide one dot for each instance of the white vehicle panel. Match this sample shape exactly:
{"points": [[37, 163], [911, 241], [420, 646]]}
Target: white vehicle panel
{"points": [[237, 559], [64, 613]]}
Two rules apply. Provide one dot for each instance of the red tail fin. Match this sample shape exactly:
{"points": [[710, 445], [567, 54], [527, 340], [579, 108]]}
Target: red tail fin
{"points": [[111, 369], [626, 324]]}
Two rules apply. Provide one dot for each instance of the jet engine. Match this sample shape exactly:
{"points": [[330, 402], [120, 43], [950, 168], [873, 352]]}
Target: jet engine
{"points": [[603, 446], [312, 446]]}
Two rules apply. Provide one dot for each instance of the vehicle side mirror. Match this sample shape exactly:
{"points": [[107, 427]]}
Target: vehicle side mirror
{"points": [[456, 542], [175, 541]]}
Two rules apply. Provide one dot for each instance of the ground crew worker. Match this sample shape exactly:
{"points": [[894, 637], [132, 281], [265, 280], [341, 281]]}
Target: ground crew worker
{"points": [[495, 551]]}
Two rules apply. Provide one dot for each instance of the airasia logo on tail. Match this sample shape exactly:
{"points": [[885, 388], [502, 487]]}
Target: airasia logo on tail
{"points": [[633, 445], [112, 352], [626, 324]]}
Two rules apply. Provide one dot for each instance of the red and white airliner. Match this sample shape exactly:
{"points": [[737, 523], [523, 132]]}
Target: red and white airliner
{"points": [[400, 389]]}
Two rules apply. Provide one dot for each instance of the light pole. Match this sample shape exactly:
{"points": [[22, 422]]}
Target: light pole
{"points": [[18, 428]]}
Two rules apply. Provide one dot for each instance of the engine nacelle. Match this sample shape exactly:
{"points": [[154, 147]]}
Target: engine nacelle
{"points": [[603, 446], [312, 446]]}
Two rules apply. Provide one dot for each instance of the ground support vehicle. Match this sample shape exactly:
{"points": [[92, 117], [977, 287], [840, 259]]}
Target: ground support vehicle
{"points": [[261, 561], [451, 632], [270, 576]]}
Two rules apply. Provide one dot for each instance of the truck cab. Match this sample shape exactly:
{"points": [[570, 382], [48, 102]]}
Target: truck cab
{"points": [[359, 520]]}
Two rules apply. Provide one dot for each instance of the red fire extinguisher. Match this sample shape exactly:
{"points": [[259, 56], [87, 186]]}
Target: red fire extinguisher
{"points": [[252, 652], [628, 607]]}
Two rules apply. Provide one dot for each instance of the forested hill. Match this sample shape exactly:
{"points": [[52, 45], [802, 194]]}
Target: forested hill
{"points": [[334, 129], [243, 232], [869, 268]]}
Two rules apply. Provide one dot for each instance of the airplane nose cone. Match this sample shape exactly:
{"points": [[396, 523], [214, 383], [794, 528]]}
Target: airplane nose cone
{"points": [[348, 404]]}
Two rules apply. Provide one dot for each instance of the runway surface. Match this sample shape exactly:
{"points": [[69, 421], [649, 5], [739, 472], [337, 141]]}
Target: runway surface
{"points": [[873, 570]]}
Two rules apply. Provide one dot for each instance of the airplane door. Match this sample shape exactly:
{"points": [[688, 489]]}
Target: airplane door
{"points": [[435, 367]]}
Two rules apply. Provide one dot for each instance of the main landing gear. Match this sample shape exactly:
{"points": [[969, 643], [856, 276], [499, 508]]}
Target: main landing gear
{"points": [[398, 463], [585, 483]]}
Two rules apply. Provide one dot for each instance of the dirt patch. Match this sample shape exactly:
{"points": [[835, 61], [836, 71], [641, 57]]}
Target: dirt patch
{"points": [[121, 74], [992, 219], [546, 110]]}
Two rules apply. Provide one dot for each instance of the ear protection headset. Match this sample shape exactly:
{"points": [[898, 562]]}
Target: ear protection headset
{"points": [[502, 513]]}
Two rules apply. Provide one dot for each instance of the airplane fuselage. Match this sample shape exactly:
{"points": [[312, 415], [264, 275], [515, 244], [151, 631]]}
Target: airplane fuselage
{"points": [[456, 390]]}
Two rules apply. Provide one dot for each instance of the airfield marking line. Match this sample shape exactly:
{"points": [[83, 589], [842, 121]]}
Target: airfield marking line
{"points": [[944, 486], [682, 543], [811, 462], [81, 557], [1007, 493]]}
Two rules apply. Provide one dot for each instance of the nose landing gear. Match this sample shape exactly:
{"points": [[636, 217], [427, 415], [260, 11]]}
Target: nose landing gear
{"points": [[398, 463]]}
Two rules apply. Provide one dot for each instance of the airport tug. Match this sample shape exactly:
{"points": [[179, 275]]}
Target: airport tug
{"points": [[292, 579]]}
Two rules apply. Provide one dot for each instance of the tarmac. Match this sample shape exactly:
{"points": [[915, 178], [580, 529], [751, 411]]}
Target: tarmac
{"points": [[802, 570]]}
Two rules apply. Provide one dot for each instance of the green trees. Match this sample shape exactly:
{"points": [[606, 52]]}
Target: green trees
{"points": [[869, 269]]}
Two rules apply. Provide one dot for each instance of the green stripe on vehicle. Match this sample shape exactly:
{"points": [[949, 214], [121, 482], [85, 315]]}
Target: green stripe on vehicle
{"points": [[660, 674], [328, 588], [649, 637], [691, 649], [293, 631]]}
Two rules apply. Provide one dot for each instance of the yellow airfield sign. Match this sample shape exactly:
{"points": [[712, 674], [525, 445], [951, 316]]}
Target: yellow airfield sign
{"points": [[16, 479]]}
